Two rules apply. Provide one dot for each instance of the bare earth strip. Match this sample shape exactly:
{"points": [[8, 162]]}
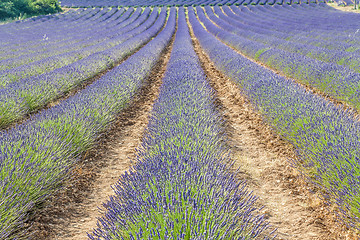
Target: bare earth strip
{"points": [[343, 8], [74, 212], [263, 160]]}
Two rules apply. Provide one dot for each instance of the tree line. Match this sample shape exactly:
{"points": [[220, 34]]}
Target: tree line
{"points": [[26, 8]]}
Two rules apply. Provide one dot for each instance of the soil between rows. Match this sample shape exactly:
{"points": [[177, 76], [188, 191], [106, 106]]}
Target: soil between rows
{"points": [[73, 212]]}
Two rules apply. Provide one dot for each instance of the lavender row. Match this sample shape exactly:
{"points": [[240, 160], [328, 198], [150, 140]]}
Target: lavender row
{"points": [[337, 57], [250, 18], [80, 16], [247, 15], [302, 17], [79, 42], [48, 25], [244, 17], [40, 38], [61, 16], [54, 59], [49, 34], [325, 136], [32, 36], [36, 157], [80, 39], [21, 98], [330, 24], [181, 186], [336, 81], [36, 39]]}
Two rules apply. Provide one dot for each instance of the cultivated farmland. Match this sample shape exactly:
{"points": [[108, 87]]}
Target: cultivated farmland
{"points": [[181, 120]]}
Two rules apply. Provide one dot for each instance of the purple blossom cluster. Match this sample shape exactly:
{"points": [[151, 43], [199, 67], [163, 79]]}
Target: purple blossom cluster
{"points": [[35, 157], [20, 98], [326, 136], [181, 186]]}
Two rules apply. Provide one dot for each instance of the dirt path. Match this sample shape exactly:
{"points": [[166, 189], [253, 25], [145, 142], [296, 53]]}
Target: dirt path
{"points": [[343, 8], [263, 159], [74, 211]]}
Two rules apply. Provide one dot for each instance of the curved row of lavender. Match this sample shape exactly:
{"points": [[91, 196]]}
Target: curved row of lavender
{"points": [[290, 38], [63, 39], [340, 82], [47, 23], [326, 137], [62, 36], [321, 28], [36, 64], [305, 18], [35, 157], [317, 25], [90, 3], [59, 35], [20, 98], [181, 186]]}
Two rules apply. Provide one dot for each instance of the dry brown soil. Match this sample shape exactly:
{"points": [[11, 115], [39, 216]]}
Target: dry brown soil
{"points": [[343, 8]]}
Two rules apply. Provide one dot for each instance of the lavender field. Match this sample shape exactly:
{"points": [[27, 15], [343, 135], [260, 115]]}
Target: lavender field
{"points": [[123, 119]]}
